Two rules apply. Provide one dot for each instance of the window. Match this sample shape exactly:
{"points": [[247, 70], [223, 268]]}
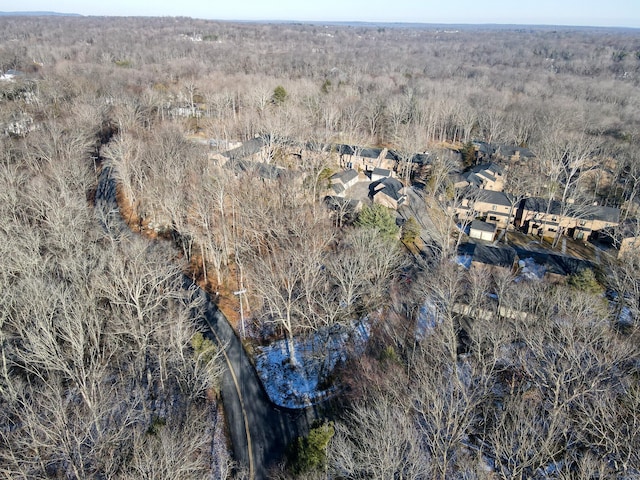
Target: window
{"points": [[493, 218], [554, 219], [583, 223], [553, 230]]}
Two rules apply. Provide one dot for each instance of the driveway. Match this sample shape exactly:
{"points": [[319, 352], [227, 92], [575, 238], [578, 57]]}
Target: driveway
{"points": [[417, 209]]}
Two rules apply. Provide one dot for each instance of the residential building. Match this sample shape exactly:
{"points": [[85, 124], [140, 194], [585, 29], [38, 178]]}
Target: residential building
{"points": [[487, 256], [342, 181], [513, 154], [388, 192], [488, 176], [493, 207], [546, 217], [366, 158], [380, 173]]}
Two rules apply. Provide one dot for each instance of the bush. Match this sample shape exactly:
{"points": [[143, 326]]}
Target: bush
{"points": [[410, 231]]}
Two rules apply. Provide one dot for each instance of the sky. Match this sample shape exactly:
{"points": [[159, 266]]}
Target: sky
{"points": [[619, 13]]}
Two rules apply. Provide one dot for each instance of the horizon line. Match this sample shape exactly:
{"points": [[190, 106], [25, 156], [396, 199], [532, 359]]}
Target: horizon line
{"points": [[322, 22]]}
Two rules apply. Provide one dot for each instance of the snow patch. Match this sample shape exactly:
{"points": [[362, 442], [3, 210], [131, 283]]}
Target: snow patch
{"points": [[530, 270], [464, 261], [306, 382], [428, 318]]}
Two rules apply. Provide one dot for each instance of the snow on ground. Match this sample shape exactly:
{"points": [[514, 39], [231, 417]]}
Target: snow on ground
{"points": [[304, 384], [530, 270], [428, 318], [463, 260]]}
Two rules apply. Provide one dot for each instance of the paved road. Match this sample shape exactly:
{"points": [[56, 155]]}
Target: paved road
{"points": [[252, 419], [260, 432]]}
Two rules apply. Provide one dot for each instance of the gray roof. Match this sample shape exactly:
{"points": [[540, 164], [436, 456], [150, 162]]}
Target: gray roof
{"points": [[488, 254], [488, 171], [509, 151], [492, 168], [606, 214], [587, 212], [336, 203], [263, 170], [389, 186], [495, 198], [370, 152], [542, 205], [248, 148], [343, 149], [381, 171], [553, 262], [484, 147], [482, 226], [345, 176], [365, 152], [421, 159], [393, 155]]}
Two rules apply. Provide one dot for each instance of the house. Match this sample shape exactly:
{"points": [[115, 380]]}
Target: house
{"points": [[626, 237], [380, 173], [493, 257], [367, 158], [484, 150], [495, 207], [251, 148], [544, 217], [265, 171], [487, 176], [342, 181], [388, 192], [344, 209], [482, 230], [513, 154], [419, 159]]}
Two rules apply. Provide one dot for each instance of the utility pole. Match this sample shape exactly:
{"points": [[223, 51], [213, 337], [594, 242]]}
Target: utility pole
{"points": [[239, 293]]}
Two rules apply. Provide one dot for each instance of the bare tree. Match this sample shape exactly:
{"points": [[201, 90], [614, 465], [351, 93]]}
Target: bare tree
{"points": [[378, 441]]}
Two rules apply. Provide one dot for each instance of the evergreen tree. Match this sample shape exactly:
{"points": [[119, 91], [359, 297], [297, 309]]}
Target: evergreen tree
{"points": [[380, 218], [279, 95], [310, 452], [468, 152]]}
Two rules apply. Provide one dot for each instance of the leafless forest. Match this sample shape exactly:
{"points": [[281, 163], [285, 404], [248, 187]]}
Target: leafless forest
{"points": [[102, 373]]}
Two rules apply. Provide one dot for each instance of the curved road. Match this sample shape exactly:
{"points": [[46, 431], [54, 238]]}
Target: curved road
{"points": [[260, 432]]}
